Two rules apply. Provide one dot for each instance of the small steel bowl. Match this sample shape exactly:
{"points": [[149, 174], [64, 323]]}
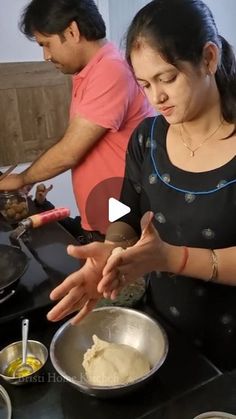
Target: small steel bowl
{"points": [[5, 404], [14, 351], [215, 415], [114, 324]]}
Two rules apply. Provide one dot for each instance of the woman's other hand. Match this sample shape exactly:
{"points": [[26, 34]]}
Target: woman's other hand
{"points": [[150, 253]]}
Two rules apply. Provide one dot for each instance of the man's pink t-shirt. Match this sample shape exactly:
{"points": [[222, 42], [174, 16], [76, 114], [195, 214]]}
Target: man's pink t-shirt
{"points": [[105, 93]]}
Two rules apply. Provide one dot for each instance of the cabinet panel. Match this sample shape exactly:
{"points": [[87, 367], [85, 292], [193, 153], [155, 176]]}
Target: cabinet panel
{"points": [[34, 109], [11, 144]]}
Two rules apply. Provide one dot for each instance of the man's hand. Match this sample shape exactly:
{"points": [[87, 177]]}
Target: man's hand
{"points": [[79, 290], [12, 182]]}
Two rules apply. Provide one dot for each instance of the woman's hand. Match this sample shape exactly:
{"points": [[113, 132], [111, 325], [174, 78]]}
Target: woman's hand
{"points": [[79, 290], [150, 253]]}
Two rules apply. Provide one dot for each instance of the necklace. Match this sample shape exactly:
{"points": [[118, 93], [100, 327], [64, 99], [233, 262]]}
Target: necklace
{"points": [[193, 150]]}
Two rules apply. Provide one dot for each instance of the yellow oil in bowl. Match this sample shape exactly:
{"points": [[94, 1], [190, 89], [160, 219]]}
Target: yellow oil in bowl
{"points": [[31, 360]]}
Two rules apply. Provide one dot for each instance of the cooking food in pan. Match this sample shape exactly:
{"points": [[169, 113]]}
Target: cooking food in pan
{"points": [[13, 206]]}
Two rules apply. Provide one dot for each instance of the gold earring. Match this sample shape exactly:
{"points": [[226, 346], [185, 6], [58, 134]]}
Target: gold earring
{"points": [[210, 72]]}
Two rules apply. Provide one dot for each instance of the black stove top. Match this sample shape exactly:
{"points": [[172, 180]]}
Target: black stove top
{"points": [[48, 265], [31, 292]]}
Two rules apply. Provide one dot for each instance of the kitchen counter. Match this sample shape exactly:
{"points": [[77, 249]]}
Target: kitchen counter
{"points": [[48, 264], [219, 394], [185, 385], [52, 397]]}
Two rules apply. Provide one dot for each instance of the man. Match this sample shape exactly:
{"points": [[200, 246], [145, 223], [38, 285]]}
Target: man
{"points": [[106, 105]]}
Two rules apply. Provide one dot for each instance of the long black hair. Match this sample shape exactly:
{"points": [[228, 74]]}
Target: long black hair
{"points": [[179, 30], [54, 16]]}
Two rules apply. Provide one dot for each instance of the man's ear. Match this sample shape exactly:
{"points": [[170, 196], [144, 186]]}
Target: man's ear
{"points": [[73, 31], [211, 56]]}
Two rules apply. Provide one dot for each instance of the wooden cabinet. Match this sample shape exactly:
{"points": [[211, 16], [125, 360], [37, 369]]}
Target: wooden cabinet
{"points": [[34, 109]]}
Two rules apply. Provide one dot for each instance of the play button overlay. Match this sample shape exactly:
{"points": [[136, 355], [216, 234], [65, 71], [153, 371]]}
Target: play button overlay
{"points": [[106, 201], [116, 209], [97, 204]]}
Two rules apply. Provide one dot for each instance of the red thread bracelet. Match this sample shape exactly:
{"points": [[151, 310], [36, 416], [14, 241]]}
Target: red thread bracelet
{"points": [[184, 261]]}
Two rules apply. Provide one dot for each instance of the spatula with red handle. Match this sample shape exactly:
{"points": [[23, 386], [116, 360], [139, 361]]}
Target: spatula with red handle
{"points": [[37, 220]]}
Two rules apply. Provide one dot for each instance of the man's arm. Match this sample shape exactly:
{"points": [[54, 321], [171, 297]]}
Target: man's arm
{"points": [[81, 135]]}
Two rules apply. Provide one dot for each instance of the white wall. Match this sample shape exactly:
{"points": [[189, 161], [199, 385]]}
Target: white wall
{"points": [[61, 195], [224, 12], [14, 46], [117, 14], [121, 13]]}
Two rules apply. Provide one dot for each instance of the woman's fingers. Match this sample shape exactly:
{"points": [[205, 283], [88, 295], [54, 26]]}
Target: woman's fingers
{"points": [[113, 263], [105, 283], [116, 287], [114, 269], [114, 294], [68, 305], [88, 250], [88, 306], [73, 280], [113, 284]]}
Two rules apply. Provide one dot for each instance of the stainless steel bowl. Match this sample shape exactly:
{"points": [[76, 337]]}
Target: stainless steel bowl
{"points": [[13, 351], [214, 415], [114, 324], [5, 404]]}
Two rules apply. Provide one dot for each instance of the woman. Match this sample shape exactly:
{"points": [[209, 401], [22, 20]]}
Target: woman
{"points": [[181, 166]]}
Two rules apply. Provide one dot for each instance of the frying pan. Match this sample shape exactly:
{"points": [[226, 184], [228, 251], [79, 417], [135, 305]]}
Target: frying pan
{"points": [[13, 261], [13, 264]]}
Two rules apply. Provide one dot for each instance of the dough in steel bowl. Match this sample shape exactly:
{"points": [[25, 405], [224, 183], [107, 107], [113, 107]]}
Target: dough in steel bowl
{"points": [[111, 364]]}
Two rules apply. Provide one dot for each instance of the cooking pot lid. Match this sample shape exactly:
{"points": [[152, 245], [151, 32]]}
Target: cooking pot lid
{"points": [[5, 404], [13, 263]]}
